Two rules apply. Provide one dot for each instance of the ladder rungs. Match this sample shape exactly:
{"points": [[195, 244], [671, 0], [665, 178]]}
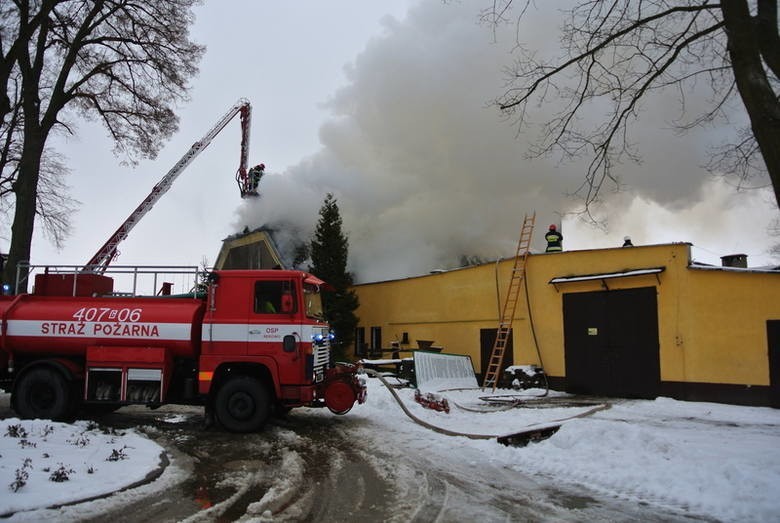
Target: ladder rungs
{"points": [[510, 304]]}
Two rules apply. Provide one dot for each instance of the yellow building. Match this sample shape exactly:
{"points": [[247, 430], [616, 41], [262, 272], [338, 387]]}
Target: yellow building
{"points": [[630, 322]]}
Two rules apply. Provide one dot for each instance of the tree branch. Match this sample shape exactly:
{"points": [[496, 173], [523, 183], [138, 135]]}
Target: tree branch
{"points": [[591, 51], [768, 38]]}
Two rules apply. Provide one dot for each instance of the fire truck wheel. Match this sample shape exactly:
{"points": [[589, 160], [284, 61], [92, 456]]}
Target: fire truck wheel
{"points": [[44, 393], [242, 404]]}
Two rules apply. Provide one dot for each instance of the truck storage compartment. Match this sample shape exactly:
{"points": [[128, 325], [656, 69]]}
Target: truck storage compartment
{"points": [[104, 384], [128, 374], [144, 385]]}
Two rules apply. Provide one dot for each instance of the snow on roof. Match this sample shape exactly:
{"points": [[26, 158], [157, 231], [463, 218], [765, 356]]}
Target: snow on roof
{"points": [[707, 267], [607, 275]]}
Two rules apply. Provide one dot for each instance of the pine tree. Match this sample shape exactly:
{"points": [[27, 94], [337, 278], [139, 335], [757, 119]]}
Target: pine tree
{"points": [[329, 252]]}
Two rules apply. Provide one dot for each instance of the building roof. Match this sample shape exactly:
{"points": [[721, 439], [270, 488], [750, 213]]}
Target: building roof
{"points": [[249, 250]]}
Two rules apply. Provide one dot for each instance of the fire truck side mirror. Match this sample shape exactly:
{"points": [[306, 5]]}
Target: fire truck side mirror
{"points": [[289, 344], [287, 303]]}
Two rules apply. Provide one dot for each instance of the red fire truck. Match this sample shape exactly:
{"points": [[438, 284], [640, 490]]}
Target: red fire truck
{"points": [[243, 343]]}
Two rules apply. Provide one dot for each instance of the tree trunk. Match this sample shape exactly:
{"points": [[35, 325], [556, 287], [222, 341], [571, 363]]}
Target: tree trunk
{"points": [[25, 190], [754, 88]]}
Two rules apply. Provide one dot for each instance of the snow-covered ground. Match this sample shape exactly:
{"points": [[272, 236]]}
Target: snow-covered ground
{"points": [[46, 463], [714, 460], [711, 460]]}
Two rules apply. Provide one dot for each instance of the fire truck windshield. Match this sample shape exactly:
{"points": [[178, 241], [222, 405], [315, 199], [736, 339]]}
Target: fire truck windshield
{"points": [[313, 301]]}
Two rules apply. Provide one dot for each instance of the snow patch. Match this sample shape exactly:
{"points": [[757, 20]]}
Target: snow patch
{"points": [[46, 463]]}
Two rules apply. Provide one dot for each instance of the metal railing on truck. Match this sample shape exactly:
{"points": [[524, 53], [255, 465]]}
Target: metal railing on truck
{"points": [[138, 280]]}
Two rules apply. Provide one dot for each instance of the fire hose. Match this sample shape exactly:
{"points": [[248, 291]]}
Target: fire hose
{"points": [[528, 429]]}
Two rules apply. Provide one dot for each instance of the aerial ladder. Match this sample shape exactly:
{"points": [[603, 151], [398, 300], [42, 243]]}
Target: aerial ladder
{"points": [[248, 186], [510, 304]]}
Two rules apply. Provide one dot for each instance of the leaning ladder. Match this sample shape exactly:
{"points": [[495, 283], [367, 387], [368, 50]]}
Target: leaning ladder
{"points": [[508, 312]]}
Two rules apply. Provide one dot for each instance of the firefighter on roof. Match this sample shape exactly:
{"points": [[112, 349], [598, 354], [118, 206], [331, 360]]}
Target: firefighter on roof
{"points": [[554, 239]]}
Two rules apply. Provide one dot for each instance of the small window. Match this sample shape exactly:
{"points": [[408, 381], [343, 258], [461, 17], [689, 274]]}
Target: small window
{"points": [[274, 297], [376, 340], [312, 301], [361, 349]]}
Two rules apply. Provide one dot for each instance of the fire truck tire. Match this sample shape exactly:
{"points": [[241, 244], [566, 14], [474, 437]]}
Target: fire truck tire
{"points": [[44, 393], [242, 404]]}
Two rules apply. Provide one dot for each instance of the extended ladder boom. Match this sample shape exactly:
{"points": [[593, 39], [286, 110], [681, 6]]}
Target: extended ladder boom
{"points": [[510, 305], [103, 257]]}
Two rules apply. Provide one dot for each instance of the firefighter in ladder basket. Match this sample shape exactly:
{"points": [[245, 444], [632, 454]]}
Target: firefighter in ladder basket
{"points": [[254, 174]]}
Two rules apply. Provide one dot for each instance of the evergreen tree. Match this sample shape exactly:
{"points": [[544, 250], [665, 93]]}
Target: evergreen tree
{"points": [[329, 251]]}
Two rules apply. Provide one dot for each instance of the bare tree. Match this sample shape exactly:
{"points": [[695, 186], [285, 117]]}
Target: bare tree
{"points": [[54, 205], [616, 53], [12, 39], [124, 63]]}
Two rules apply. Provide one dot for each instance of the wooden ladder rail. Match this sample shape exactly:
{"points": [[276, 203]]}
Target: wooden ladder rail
{"points": [[510, 304]]}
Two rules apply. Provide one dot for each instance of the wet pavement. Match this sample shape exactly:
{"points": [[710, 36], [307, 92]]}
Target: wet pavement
{"points": [[294, 469]]}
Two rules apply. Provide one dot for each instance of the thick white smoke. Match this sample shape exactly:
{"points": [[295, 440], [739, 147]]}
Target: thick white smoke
{"points": [[425, 171]]}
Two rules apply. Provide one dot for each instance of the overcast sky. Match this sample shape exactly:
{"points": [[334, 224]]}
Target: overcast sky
{"points": [[385, 104]]}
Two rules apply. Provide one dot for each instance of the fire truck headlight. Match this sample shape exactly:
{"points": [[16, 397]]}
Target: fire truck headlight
{"points": [[317, 337]]}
